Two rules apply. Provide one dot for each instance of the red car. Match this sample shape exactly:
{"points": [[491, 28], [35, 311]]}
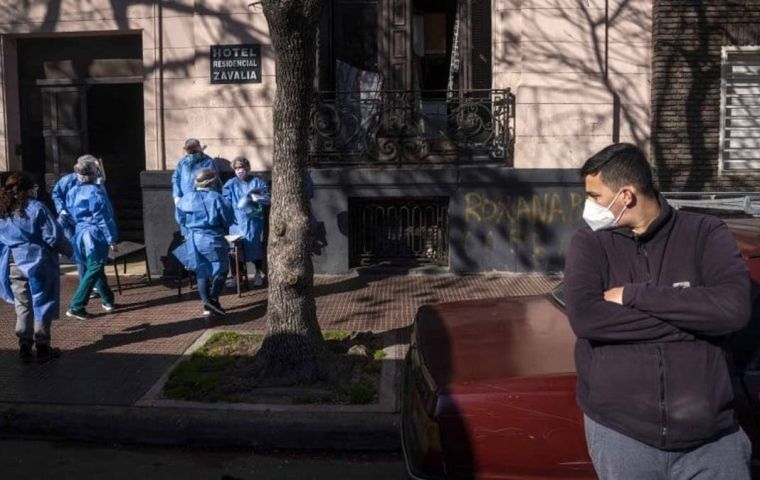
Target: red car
{"points": [[490, 386]]}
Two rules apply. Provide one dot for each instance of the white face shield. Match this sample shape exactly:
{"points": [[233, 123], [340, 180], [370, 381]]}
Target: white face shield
{"points": [[101, 179]]}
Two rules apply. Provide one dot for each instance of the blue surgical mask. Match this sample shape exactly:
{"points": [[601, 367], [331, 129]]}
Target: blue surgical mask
{"points": [[196, 156], [601, 218]]}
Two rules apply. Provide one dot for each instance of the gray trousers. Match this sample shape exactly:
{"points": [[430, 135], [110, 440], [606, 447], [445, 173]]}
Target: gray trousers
{"points": [[27, 330], [619, 457]]}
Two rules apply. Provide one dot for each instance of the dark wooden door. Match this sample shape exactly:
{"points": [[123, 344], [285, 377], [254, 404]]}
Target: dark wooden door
{"points": [[374, 36], [64, 129], [396, 44]]}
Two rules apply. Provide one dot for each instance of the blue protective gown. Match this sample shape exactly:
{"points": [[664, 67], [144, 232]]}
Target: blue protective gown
{"points": [[204, 215], [59, 194], [249, 215], [60, 190], [183, 178], [35, 242], [96, 229]]}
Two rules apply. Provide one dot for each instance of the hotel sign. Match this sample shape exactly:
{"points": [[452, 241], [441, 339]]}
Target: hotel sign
{"points": [[236, 63]]}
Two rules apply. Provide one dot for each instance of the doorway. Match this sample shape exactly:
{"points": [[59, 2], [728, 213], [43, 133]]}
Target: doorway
{"points": [[85, 95], [114, 113]]}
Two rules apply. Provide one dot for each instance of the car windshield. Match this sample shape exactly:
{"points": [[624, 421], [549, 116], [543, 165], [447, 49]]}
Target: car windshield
{"points": [[558, 295]]}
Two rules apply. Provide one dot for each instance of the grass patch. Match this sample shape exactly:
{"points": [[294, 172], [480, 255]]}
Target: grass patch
{"points": [[198, 379], [337, 335], [221, 337], [220, 371]]}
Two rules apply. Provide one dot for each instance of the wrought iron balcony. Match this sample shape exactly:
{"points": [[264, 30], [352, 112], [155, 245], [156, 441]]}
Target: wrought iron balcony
{"points": [[412, 127]]}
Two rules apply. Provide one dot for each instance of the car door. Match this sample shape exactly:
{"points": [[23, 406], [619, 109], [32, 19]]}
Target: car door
{"points": [[746, 358]]}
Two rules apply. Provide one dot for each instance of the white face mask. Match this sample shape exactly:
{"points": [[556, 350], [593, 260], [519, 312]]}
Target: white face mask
{"points": [[601, 218]]}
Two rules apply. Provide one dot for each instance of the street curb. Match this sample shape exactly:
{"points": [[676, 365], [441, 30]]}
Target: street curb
{"points": [[261, 430], [157, 421]]}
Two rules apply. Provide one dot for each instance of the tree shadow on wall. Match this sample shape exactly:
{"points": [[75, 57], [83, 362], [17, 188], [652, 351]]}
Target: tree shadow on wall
{"points": [[687, 91]]}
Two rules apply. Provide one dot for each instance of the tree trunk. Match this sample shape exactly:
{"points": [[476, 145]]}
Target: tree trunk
{"points": [[293, 344]]}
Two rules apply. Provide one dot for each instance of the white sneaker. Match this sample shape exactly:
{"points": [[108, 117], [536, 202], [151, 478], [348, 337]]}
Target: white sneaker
{"points": [[258, 280], [231, 283], [206, 312]]}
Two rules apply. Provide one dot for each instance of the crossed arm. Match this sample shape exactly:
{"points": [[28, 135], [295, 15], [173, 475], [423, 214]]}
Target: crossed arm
{"points": [[641, 312], [594, 318], [718, 307]]}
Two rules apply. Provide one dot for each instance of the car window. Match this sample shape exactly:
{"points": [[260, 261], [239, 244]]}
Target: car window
{"points": [[559, 295]]}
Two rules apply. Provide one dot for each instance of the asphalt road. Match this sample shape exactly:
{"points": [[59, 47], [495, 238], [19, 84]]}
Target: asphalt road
{"points": [[39, 459]]}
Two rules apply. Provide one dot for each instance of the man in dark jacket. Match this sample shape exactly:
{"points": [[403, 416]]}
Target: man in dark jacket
{"points": [[652, 294]]}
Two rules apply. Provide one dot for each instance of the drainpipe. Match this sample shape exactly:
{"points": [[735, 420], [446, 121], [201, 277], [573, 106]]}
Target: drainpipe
{"points": [[160, 120], [3, 46], [615, 97]]}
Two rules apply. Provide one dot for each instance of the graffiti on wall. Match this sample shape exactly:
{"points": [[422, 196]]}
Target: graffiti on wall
{"points": [[533, 225], [550, 208]]}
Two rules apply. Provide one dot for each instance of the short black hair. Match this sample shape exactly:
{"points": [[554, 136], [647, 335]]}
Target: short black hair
{"points": [[242, 161], [622, 164]]}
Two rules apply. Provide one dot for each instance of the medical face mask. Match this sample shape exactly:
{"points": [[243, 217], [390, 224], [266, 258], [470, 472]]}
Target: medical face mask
{"points": [[196, 156], [601, 218], [241, 173]]}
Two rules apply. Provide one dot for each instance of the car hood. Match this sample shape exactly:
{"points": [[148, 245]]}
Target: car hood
{"points": [[492, 339]]}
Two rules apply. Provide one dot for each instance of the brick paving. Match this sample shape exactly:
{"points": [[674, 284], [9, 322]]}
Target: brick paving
{"points": [[115, 358]]}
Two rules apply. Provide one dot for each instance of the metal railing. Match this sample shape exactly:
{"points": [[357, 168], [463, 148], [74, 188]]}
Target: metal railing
{"points": [[745, 202], [412, 127]]}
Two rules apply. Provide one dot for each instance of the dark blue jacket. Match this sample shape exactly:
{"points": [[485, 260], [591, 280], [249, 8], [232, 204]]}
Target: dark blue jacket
{"points": [[656, 368]]}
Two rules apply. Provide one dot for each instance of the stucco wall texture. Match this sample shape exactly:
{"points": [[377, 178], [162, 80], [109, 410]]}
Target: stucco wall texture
{"points": [[231, 119], [579, 68]]}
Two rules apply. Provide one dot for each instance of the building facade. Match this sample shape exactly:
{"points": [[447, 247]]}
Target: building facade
{"points": [[706, 95], [445, 133]]}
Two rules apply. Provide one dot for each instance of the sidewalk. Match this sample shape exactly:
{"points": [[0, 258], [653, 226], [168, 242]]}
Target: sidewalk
{"points": [[113, 360]]}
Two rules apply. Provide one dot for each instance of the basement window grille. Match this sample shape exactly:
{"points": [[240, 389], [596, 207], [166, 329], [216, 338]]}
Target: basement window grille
{"points": [[398, 231]]}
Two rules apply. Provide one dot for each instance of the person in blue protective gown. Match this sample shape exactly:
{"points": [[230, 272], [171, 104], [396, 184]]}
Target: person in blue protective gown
{"points": [[205, 215], [60, 190], [96, 234], [59, 193], [248, 195], [30, 241], [183, 178]]}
